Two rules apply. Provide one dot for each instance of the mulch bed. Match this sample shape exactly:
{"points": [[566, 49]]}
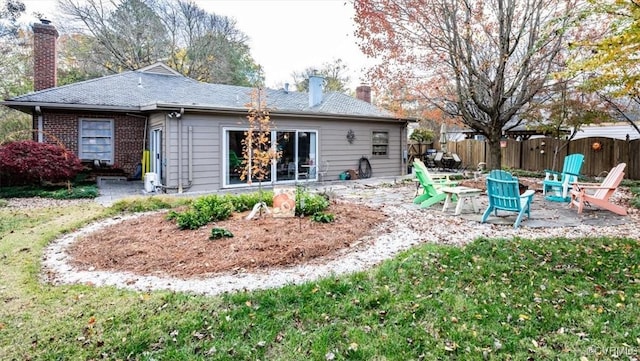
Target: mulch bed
{"points": [[153, 245]]}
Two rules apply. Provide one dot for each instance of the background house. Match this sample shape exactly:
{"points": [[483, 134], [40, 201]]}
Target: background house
{"points": [[193, 131]]}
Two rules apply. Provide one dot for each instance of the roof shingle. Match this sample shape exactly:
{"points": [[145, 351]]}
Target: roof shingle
{"points": [[137, 89]]}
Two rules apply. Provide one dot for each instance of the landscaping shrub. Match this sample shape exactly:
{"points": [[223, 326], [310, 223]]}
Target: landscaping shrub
{"points": [[322, 217], [213, 208], [308, 204], [217, 233], [246, 201], [203, 210], [30, 163]]}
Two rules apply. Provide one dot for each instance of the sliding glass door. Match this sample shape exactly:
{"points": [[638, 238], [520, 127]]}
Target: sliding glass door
{"points": [[297, 155], [297, 151]]}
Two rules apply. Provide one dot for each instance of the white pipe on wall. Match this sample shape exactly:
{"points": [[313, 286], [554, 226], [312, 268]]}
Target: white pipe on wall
{"points": [[179, 123], [40, 125], [190, 145]]}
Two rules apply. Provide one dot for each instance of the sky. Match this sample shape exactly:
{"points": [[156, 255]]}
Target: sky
{"points": [[285, 36]]}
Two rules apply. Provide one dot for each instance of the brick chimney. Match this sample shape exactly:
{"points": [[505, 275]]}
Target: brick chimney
{"points": [[363, 92], [44, 55]]}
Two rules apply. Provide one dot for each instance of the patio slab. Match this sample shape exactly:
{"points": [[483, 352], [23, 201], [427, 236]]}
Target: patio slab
{"points": [[390, 191]]}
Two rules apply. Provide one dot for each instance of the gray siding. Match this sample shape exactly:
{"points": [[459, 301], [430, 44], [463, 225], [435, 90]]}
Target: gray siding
{"points": [[207, 140]]}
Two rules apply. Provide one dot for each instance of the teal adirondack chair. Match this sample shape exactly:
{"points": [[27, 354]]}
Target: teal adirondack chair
{"points": [[556, 185], [431, 189], [504, 194]]}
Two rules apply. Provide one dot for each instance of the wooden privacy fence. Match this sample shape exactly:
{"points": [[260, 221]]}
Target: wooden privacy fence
{"points": [[600, 154]]}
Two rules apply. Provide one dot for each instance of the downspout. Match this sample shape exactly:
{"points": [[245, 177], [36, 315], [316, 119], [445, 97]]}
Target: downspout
{"points": [[403, 148], [40, 125], [178, 117], [190, 165]]}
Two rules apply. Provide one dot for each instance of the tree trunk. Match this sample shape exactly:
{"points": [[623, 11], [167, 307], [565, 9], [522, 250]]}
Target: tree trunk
{"points": [[494, 160]]}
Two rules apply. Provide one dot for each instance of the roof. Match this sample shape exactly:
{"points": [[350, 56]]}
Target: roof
{"points": [[154, 87], [615, 131]]}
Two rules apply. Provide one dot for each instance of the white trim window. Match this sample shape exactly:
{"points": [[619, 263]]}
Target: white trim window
{"points": [[380, 143], [96, 140]]}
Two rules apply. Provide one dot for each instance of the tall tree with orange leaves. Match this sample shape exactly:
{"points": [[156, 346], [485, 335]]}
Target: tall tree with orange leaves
{"points": [[607, 60], [480, 61]]}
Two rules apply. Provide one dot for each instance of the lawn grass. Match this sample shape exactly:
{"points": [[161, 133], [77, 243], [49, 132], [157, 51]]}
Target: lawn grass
{"points": [[515, 299]]}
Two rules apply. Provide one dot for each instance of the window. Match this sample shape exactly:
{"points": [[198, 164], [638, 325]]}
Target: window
{"points": [[380, 143], [96, 139], [297, 156]]}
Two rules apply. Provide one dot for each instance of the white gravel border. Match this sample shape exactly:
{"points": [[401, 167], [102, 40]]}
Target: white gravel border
{"points": [[57, 268], [407, 227]]}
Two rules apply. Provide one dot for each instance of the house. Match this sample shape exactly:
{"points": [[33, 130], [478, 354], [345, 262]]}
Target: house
{"points": [[192, 132], [622, 131]]}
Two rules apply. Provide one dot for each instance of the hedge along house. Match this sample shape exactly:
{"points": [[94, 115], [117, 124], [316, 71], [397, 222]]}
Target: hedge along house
{"points": [[193, 131]]}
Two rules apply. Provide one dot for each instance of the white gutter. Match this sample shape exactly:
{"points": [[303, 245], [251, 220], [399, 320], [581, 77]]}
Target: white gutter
{"points": [[12, 104]]}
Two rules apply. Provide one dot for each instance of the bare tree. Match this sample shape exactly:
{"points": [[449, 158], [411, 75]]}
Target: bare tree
{"points": [[334, 77], [127, 34], [480, 61], [9, 14], [130, 34]]}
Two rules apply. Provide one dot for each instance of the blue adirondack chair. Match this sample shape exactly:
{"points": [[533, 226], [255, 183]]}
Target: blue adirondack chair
{"points": [[431, 193], [504, 194], [556, 185]]}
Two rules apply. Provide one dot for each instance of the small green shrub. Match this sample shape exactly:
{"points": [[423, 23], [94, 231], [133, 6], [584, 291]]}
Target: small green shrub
{"points": [[190, 219], [322, 217], [217, 233], [202, 211], [214, 207], [308, 204], [246, 201]]}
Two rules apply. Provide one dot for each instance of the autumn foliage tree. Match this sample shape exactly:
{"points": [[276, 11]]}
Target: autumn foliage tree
{"points": [[606, 56], [335, 77], [564, 112], [480, 61], [257, 152]]}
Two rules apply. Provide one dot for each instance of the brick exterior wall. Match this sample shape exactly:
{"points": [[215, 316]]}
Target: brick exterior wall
{"points": [[44, 56], [63, 128]]}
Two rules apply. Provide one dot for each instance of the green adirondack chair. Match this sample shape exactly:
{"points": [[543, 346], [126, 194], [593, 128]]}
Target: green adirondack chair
{"points": [[556, 185], [431, 188], [504, 194]]}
